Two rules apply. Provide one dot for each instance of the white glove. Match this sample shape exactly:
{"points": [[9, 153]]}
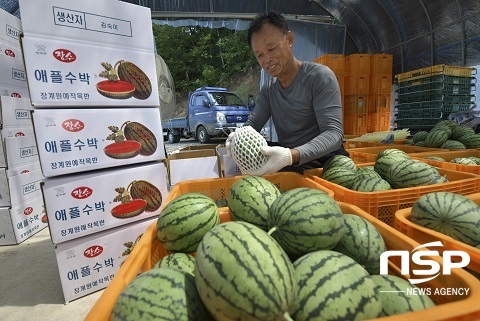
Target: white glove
{"points": [[278, 158], [228, 144]]}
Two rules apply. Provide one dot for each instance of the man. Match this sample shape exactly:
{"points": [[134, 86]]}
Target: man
{"points": [[303, 98]]}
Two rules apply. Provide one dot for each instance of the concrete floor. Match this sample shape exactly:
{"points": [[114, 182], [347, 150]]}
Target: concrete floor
{"points": [[30, 288]]}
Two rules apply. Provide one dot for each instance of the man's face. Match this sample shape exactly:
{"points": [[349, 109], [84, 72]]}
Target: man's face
{"points": [[272, 49]]}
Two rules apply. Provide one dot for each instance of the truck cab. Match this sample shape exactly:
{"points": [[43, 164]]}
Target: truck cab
{"points": [[215, 112]]}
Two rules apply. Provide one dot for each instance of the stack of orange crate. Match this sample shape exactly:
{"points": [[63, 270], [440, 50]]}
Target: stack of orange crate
{"points": [[357, 84], [336, 62], [379, 114]]}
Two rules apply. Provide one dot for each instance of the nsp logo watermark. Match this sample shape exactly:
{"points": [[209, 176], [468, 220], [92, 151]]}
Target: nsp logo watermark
{"points": [[418, 255]]}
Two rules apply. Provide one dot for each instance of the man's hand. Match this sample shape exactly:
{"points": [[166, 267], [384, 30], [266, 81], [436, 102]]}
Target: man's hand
{"points": [[228, 144], [278, 158]]}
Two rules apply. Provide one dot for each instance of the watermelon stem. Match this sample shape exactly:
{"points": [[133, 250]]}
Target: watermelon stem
{"points": [[273, 229], [287, 317]]}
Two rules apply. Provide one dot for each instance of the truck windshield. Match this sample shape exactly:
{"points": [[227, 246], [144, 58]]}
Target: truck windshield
{"points": [[226, 99]]}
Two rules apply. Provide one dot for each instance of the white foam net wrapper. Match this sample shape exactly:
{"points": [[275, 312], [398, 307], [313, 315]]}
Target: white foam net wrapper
{"points": [[246, 145]]}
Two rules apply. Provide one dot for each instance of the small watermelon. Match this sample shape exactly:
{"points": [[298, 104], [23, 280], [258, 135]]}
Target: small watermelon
{"points": [[449, 213], [419, 136], [392, 151], [366, 172], [184, 221], [362, 242], [475, 159], [446, 123], [384, 163], [241, 273], [250, 198], [180, 261], [459, 131], [453, 145], [341, 176], [439, 179], [470, 140], [395, 298], [151, 295], [435, 158], [409, 142], [421, 143], [463, 161], [436, 137], [332, 286], [305, 220], [340, 161], [371, 184], [411, 173], [246, 153]]}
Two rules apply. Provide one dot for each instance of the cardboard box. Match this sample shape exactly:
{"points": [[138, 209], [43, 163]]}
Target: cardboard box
{"points": [[199, 147], [25, 186], [72, 51], [13, 72], [228, 166], [87, 203], [10, 28], [15, 112], [15, 92], [17, 131], [193, 164], [4, 189], [89, 263], [22, 169], [20, 150], [79, 140], [20, 222]]}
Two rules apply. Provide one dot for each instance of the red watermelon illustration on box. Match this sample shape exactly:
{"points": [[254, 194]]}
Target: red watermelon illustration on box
{"points": [[78, 140], [86, 203]]}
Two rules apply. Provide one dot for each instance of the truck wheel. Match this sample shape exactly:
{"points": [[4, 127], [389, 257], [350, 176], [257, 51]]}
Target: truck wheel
{"points": [[202, 135], [173, 139]]}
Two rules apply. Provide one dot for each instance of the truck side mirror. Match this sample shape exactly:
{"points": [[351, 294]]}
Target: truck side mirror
{"points": [[205, 103]]}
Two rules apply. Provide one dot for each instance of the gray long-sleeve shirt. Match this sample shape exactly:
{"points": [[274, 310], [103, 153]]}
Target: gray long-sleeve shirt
{"points": [[307, 115]]}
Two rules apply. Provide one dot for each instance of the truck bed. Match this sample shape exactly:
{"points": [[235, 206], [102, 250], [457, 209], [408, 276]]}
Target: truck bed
{"points": [[174, 123]]}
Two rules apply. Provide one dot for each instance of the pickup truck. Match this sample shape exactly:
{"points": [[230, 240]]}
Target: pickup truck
{"points": [[211, 112]]}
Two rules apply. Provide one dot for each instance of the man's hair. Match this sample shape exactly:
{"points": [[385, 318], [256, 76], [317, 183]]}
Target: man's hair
{"points": [[272, 17]]}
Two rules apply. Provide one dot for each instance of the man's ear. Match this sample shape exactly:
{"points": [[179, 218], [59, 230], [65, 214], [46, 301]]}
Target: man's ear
{"points": [[289, 36]]}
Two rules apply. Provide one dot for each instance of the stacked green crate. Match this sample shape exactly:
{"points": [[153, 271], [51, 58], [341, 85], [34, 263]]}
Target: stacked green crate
{"points": [[428, 95]]}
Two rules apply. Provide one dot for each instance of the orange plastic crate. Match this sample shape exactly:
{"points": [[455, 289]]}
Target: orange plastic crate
{"points": [[378, 122], [425, 235], [336, 62], [380, 84], [383, 204], [369, 154], [357, 84], [148, 251], [355, 124], [379, 103], [357, 64], [382, 64], [448, 156]]}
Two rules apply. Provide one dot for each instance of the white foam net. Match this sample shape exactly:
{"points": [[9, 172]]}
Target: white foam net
{"points": [[246, 145]]}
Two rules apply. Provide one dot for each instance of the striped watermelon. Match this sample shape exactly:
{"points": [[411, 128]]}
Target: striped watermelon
{"points": [[332, 286], [439, 179], [392, 151], [340, 161], [409, 142], [436, 137], [249, 199], [411, 173], [395, 298], [435, 158], [463, 161], [459, 131], [362, 242], [183, 222], [366, 172], [180, 261], [160, 294], [470, 140], [419, 136], [306, 220], [452, 144], [475, 159], [449, 213], [341, 176], [241, 273], [371, 184], [383, 164], [446, 123], [421, 143]]}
